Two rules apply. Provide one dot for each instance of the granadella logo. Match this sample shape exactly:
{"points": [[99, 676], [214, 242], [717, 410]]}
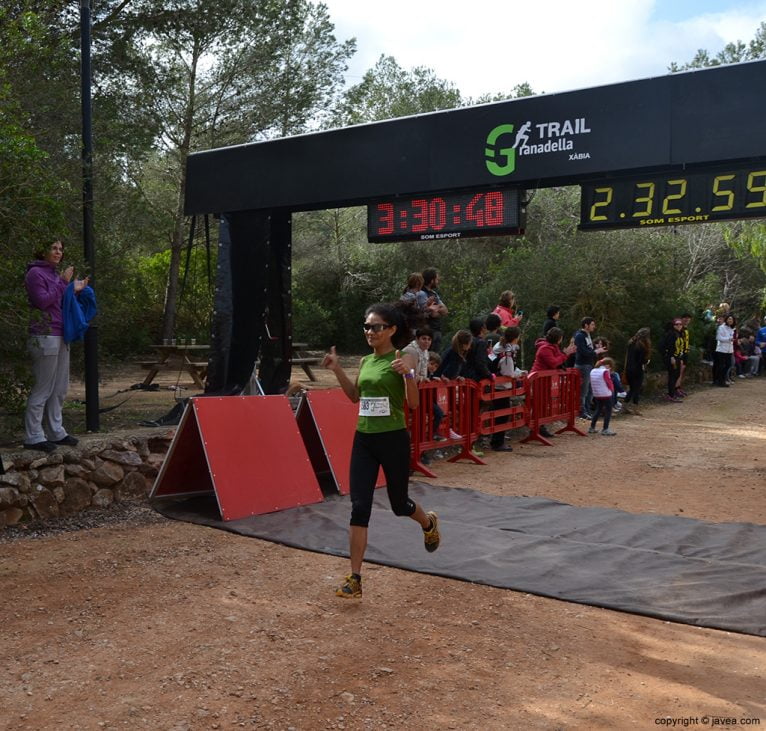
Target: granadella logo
{"points": [[504, 143]]}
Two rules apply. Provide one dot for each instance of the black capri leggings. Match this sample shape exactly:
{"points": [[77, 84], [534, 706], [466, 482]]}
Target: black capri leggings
{"points": [[390, 450], [673, 372], [636, 384]]}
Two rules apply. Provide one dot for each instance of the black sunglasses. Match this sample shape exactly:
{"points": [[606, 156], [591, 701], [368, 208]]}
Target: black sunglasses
{"points": [[376, 327]]}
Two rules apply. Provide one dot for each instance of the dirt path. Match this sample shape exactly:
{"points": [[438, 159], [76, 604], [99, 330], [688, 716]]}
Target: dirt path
{"points": [[166, 625]]}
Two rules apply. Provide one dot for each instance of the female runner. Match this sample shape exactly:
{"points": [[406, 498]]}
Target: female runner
{"points": [[385, 378]]}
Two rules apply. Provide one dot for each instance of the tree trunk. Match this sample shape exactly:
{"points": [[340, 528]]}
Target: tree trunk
{"points": [[177, 240], [176, 249]]}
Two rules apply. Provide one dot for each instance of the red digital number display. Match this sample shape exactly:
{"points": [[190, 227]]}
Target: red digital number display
{"points": [[446, 215]]}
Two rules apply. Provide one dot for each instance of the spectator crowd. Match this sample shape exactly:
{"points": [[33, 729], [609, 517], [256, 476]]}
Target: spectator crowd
{"points": [[490, 346]]}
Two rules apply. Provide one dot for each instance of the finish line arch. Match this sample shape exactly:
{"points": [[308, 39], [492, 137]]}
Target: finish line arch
{"points": [[697, 127]]}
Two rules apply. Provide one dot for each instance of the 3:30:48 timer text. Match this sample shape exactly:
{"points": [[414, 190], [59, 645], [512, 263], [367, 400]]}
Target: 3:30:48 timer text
{"points": [[446, 214]]}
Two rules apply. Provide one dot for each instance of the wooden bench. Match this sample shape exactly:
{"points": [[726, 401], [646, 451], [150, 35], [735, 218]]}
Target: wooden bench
{"points": [[306, 362], [199, 365]]}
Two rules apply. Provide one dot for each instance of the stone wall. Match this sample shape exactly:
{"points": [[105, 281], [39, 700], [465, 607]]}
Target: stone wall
{"points": [[93, 474]]}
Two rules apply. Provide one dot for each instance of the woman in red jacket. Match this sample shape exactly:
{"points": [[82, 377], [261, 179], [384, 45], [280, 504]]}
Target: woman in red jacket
{"points": [[549, 355], [506, 310]]}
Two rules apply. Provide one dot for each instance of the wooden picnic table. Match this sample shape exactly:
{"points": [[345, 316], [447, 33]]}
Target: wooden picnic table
{"points": [[181, 358], [304, 360], [177, 358]]}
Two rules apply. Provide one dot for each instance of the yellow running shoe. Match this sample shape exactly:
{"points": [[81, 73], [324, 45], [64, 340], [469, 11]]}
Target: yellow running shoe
{"points": [[352, 589], [431, 537]]}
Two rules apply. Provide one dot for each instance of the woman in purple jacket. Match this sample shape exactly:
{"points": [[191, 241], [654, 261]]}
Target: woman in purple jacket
{"points": [[50, 354]]}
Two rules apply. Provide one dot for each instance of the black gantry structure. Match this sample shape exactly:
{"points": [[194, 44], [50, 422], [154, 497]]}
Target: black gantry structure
{"points": [[695, 121]]}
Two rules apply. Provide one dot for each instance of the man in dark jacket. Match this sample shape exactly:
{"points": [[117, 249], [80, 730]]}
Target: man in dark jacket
{"points": [[493, 331], [436, 310], [477, 361], [552, 314], [585, 359]]}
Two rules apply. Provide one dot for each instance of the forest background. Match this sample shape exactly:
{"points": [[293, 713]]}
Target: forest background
{"points": [[173, 77]]}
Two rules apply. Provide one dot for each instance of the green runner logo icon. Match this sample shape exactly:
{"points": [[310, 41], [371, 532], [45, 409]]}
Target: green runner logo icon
{"points": [[500, 161]]}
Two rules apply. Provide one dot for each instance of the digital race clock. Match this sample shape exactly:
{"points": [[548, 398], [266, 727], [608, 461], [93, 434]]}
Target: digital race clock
{"points": [[445, 215], [674, 198]]}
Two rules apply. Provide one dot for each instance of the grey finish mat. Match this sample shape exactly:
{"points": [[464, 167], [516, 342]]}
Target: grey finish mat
{"points": [[679, 569]]}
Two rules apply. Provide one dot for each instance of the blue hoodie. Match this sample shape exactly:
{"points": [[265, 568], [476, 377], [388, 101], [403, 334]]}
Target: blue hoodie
{"points": [[78, 310]]}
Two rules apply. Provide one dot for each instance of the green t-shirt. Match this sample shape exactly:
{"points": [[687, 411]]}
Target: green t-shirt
{"points": [[376, 379]]}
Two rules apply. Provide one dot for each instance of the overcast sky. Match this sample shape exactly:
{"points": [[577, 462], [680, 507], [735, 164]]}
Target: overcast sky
{"points": [[489, 46]]}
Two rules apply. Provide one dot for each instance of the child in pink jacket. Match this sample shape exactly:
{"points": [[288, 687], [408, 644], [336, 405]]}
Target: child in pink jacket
{"points": [[603, 394]]}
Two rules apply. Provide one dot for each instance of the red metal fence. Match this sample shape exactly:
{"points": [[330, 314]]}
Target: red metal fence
{"points": [[552, 396], [457, 401], [500, 404], [474, 409]]}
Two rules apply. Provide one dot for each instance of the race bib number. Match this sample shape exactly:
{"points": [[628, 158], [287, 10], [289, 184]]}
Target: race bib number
{"points": [[374, 406]]}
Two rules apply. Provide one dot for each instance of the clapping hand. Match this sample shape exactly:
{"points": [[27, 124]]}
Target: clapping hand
{"points": [[80, 284]]}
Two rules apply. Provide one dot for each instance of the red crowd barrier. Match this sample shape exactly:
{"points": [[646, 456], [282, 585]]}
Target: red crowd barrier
{"points": [[458, 401], [474, 409], [552, 396], [500, 404]]}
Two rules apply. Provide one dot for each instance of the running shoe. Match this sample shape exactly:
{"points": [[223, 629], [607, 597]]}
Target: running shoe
{"points": [[593, 430], [454, 435], [431, 536], [622, 394], [351, 589], [608, 432]]}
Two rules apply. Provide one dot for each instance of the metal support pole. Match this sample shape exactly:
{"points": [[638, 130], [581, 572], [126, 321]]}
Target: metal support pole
{"points": [[91, 335]]}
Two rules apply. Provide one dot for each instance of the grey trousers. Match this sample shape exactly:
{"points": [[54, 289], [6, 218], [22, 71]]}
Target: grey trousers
{"points": [[50, 366]]}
